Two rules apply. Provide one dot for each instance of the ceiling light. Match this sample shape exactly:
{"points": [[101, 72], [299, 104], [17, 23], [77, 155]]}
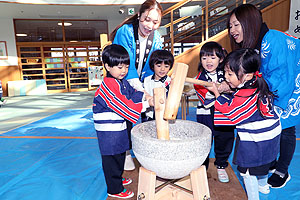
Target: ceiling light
{"points": [[65, 24], [21, 34]]}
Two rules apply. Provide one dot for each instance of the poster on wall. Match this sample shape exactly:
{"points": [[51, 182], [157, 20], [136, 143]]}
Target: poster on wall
{"points": [[294, 28], [95, 75], [3, 50]]}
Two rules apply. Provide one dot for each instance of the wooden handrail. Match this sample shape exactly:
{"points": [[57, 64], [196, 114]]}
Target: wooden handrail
{"points": [[174, 7], [176, 21], [209, 21]]}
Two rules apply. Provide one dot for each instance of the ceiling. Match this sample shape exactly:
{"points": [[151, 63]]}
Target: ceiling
{"points": [[38, 11]]}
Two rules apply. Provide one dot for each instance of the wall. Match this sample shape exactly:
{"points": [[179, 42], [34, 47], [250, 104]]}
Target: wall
{"points": [[9, 69]]}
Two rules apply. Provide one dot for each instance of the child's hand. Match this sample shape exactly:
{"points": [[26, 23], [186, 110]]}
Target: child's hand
{"points": [[224, 87], [151, 101], [214, 89]]}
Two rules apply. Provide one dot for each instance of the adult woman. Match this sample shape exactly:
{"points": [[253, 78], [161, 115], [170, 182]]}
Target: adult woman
{"points": [[280, 55], [139, 35]]}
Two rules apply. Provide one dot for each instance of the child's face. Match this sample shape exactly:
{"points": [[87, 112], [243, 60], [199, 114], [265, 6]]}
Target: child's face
{"points": [[210, 63], [118, 72], [160, 70], [231, 77]]}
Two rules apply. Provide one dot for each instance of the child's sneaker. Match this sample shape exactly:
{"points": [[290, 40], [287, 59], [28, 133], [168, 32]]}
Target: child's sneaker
{"points": [[222, 176], [264, 189], [2, 101], [277, 181], [126, 181], [126, 194]]}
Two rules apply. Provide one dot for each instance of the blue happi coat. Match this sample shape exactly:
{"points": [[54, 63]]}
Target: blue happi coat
{"points": [[125, 37], [280, 66]]}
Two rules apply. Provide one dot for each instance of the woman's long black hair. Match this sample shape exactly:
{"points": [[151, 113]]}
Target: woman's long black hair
{"points": [[246, 60]]}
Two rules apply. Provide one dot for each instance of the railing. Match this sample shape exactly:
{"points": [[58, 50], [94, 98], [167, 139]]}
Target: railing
{"points": [[209, 17]]}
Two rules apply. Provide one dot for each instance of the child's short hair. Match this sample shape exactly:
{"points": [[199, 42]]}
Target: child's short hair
{"points": [[209, 49], [161, 56], [115, 54]]}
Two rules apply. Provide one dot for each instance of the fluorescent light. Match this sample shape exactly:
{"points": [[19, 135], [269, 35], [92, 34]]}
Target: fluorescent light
{"points": [[65, 24], [21, 34]]}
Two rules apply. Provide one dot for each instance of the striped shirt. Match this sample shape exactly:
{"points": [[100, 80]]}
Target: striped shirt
{"points": [[114, 103], [258, 136]]}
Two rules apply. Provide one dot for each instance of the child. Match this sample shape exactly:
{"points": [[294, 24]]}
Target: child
{"points": [[161, 62], [211, 70], [115, 102], [2, 100], [251, 109]]}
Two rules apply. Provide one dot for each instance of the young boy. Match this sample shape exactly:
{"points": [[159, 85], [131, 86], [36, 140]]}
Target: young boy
{"points": [[115, 102], [161, 62]]}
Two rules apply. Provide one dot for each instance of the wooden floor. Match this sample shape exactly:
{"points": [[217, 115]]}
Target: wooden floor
{"points": [[218, 191]]}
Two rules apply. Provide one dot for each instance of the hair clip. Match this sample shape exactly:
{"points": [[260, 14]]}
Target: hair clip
{"points": [[259, 74]]}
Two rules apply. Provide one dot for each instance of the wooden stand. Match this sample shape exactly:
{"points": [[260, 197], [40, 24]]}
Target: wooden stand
{"points": [[192, 187]]}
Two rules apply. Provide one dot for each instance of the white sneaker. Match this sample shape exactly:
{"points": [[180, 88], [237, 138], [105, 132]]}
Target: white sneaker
{"points": [[264, 189], [222, 176], [129, 164]]}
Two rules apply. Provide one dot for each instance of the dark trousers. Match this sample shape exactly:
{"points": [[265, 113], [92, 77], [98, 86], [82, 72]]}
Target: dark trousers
{"points": [[113, 167], [287, 149], [129, 127], [223, 138]]}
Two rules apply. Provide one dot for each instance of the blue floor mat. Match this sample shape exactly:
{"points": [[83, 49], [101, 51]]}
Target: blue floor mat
{"points": [[291, 190], [70, 168], [52, 168]]}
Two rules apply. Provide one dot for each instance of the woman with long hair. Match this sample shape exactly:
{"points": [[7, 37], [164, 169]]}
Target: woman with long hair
{"points": [[280, 60]]}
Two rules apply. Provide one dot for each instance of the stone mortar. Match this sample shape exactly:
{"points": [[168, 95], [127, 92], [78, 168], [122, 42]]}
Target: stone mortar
{"points": [[187, 149]]}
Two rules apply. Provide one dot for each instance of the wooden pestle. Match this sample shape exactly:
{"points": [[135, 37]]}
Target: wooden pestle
{"points": [[176, 88], [162, 126], [175, 92], [198, 82]]}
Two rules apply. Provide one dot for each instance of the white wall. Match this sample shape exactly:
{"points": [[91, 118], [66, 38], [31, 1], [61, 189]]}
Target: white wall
{"points": [[7, 34]]}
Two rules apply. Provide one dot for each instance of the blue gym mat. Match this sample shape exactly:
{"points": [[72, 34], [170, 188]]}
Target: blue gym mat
{"points": [[290, 191], [58, 158]]}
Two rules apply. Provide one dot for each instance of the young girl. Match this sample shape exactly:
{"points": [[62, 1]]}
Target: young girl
{"points": [[210, 69], [251, 109], [161, 62], [115, 103]]}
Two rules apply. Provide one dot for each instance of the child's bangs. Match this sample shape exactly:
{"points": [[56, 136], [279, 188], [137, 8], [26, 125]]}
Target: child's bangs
{"points": [[165, 60], [119, 59]]}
